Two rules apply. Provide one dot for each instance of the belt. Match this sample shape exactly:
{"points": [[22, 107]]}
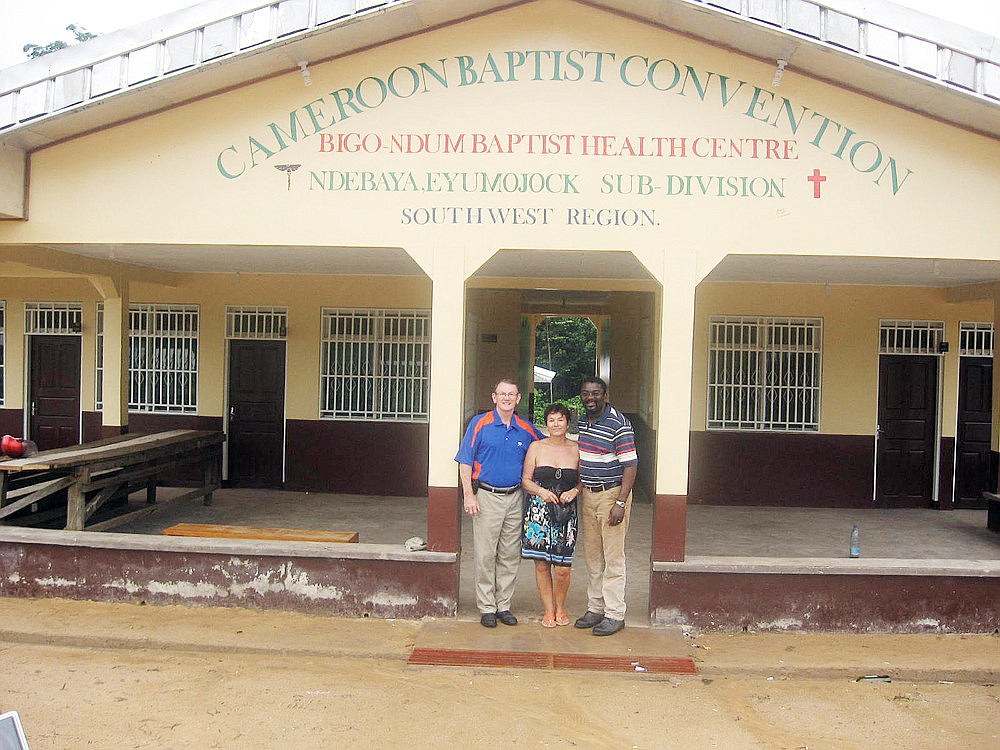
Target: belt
{"points": [[603, 487], [499, 490]]}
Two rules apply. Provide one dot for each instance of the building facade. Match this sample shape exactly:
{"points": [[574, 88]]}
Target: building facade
{"points": [[323, 234]]}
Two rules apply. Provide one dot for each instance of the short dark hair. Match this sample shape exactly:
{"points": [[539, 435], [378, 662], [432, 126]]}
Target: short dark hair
{"points": [[557, 408], [507, 381], [597, 381]]}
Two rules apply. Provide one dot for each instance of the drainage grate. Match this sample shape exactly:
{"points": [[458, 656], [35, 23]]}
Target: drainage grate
{"points": [[445, 657]]}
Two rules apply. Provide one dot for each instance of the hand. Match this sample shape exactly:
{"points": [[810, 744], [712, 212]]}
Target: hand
{"points": [[471, 505], [568, 496], [549, 496], [617, 515]]}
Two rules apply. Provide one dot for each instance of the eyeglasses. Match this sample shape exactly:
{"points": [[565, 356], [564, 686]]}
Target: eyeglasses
{"points": [[515, 394]]}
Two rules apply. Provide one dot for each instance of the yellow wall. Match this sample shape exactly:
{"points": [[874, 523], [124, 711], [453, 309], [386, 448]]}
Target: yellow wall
{"points": [[158, 180], [304, 296], [851, 317]]}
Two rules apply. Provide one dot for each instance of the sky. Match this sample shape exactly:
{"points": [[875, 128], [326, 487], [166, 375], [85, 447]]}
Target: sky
{"points": [[44, 21]]}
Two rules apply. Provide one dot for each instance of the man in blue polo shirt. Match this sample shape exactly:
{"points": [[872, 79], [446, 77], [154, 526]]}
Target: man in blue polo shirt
{"points": [[608, 463], [490, 461]]}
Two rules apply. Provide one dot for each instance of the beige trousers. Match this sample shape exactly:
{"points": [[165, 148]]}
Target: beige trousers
{"points": [[496, 540], [604, 551]]}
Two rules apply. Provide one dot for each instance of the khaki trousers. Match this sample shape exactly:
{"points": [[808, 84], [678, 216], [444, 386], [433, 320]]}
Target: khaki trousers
{"points": [[604, 551], [496, 540]]}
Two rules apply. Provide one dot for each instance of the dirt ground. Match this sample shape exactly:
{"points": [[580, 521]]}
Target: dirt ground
{"points": [[85, 675]]}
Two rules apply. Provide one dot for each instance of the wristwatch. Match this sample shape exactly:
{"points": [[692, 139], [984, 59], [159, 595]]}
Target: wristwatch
{"points": [[620, 503]]}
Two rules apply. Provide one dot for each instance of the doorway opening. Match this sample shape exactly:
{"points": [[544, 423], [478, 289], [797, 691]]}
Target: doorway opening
{"points": [[565, 352]]}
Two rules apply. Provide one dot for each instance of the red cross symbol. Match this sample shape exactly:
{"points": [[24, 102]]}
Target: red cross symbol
{"points": [[816, 179]]}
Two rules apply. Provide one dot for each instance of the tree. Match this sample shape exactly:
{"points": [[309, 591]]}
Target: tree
{"points": [[80, 34], [567, 345]]}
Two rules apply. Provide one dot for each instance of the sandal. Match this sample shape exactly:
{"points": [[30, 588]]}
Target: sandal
{"points": [[562, 618], [548, 622]]}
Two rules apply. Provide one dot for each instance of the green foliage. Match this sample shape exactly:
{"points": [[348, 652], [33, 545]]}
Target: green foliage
{"points": [[79, 33], [569, 347], [575, 406]]}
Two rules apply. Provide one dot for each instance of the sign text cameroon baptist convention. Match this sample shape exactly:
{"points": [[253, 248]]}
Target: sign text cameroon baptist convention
{"points": [[661, 77]]}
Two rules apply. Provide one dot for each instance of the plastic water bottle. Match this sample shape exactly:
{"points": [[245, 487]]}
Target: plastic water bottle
{"points": [[855, 541]]}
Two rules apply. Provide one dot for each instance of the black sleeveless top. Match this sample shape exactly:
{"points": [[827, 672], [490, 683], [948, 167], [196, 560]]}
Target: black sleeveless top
{"points": [[556, 480]]}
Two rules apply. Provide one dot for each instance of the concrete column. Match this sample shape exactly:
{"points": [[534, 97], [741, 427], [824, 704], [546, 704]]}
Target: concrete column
{"points": [[444, 509], [114, 414], [674, 408]]}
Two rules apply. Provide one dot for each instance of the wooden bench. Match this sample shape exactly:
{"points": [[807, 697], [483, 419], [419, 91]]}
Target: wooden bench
{"points": [[992, 511], [252, 532]]}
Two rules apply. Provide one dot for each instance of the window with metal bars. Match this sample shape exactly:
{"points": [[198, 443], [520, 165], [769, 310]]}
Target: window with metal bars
{"points": [[910, 336], [976, 340], [99, 370], [765, 373], [266, 323], [163, 358], [375, 364]]}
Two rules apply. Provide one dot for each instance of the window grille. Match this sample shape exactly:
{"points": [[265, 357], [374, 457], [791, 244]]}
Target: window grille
{"points": [[976, 340], [765, 373], [163, 358], [375, 364], [53, 318], [3, 347], [910, 336], [99, 369], [257, 323]]}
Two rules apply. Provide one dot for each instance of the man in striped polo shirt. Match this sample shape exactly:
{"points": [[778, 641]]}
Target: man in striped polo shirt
{"points": [[608, 463], [490, 460]]}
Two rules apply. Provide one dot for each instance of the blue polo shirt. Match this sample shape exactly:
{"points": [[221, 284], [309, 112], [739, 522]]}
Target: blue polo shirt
{"points": [[495, 451]]}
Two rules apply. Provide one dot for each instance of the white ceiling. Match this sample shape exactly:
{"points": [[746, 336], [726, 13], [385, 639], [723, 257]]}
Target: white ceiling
{"points": [[268, 259], [803, 269]]}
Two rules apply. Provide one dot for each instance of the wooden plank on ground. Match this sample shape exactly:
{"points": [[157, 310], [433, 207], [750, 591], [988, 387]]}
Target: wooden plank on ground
{"points": [[252, 532]]}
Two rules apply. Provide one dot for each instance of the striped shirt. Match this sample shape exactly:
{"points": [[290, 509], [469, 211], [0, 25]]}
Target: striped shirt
{"points": [[607, 446], [495, 451]]}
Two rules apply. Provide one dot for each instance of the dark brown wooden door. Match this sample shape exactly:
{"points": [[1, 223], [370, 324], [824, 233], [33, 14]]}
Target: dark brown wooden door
{"points": [[54, 391], [972, 440], [907, 414], [256, 413]]}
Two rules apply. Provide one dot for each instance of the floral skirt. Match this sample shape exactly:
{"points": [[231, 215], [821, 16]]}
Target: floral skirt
{"points": [[543, 540]]}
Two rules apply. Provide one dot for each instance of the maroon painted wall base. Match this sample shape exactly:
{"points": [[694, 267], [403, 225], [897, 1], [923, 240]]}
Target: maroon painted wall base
{"points": [[823, 602], [12, 422], [160, 571], [361, 458], [444, 519], [669, 527]]}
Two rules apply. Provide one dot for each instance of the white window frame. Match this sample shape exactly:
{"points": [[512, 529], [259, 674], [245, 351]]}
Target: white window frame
{"points": [[163, 358], [99, 360], [254, 322], [771, 372], [910, 336], [375, 364], [975, 339]]}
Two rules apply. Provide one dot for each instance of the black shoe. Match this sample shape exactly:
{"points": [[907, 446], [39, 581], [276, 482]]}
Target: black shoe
{"points": [[506, 617], [589, 620], [488, 620], [607, 626]]}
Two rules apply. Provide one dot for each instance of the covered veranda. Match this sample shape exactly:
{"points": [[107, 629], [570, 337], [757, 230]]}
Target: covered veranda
{"points": [[912, 543]]}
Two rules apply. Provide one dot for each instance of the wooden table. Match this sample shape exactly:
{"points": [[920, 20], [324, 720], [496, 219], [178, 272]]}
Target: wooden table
{"points": [[92, 473]]}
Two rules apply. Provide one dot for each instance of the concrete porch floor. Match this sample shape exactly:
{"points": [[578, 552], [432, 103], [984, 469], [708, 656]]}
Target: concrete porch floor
{"points": [[742, 532]]}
